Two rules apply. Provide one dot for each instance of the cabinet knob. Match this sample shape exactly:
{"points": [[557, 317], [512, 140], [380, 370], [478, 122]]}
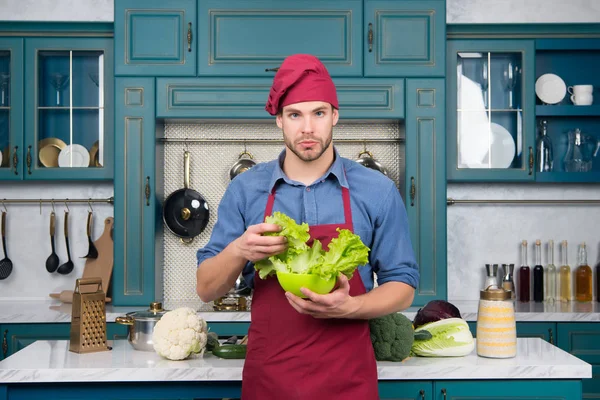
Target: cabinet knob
{"points": [[147, 191], [530, 160], [16, 160], [5, 344], [189, 36], [28, 160], [413, 191], [422, 393], [444, 393], [272, 69], [370, 37], [551, 339]]}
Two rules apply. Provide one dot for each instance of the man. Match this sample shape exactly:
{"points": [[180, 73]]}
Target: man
{"points": [[319, 347]]}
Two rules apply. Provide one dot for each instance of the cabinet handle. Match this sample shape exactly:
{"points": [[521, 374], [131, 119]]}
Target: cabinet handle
{"points": [[272, 69], [413, 191], [5, 344], [16, 160], [189, 36], [29, 160], [370, 37], [147, 191], [551, 336], [530, 160], [444, 393], [422, 393]]}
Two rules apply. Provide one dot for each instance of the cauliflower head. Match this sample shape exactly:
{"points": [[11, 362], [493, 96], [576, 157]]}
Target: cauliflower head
{"points": [[179, 333]]}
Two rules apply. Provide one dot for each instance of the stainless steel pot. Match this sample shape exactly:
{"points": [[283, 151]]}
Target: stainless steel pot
{"points": [[245, 162], [141, 325]]}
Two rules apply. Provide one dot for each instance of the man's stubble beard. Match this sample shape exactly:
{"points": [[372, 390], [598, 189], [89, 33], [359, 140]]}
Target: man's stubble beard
{"points": [[324, 146]]}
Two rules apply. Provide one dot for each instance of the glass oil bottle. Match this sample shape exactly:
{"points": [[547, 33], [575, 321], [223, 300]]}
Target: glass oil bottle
{"points": [[524, 275], [538, 274], [564, 275], [583, 276], [550, 275]]}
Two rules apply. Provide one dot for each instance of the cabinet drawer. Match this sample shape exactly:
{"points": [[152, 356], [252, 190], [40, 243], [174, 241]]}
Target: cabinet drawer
{"points": [[238, 37]]}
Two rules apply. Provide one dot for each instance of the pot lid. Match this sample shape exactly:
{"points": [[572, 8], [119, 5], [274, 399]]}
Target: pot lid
{"points": [[155, 312]]}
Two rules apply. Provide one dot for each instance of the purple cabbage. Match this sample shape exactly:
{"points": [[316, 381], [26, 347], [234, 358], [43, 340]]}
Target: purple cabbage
{"points": [[435, 310]]}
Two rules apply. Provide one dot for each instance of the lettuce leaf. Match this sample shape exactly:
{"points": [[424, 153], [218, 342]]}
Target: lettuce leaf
{"points": [[345, 254]]}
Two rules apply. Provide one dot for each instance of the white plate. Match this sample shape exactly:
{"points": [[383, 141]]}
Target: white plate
{"points": [[503, 147], [74, 155], [0, 158], [550, 88]]}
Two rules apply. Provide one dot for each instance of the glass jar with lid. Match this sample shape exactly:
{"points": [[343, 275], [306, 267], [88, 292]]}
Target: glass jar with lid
{"points": [[496, 326]]}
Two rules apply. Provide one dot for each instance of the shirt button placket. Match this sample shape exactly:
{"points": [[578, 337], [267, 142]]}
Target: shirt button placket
{"points": [[310, 206]]}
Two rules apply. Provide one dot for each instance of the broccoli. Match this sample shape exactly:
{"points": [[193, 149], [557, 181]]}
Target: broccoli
{"points": [[392, 337]]}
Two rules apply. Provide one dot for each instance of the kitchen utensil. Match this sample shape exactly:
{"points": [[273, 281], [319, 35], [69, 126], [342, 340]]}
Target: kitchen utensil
{"points": [[88, 318], [245, 162], [6, 266], [49, 149], [496, 326], [96, 267], [92, 251], [67, 267], [94, 154], [491, 279], [550, 88], [75, 156], [580, 151], [365, 158], [185, 212], [293, 282], [508, 283], [52, 261], [141, 325]]}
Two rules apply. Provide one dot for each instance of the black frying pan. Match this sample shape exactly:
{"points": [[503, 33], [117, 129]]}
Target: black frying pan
{"points": [[185, 211]]}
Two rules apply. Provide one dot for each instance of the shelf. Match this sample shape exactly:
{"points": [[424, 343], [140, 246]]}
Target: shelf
{"points": [[568, 177], [567, 111], [493, 110]]}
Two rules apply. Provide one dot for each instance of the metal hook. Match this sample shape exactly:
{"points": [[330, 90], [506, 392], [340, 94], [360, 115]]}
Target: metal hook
{"points": [[66, 205], [40, 206], [245, 151], [185, 141], [90, 204], [52, 202], [365, 145], [4, 205]]}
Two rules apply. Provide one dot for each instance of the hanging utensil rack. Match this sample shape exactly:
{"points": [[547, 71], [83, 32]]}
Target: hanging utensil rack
{"points": [[110, 200], [450, 201], [241, 140]]}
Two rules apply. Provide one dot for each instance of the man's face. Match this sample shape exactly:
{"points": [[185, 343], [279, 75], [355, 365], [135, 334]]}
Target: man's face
{"points": [[308, 128]]}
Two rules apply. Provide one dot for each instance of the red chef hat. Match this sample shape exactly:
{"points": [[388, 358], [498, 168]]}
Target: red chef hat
{"points": [[301, 77]]}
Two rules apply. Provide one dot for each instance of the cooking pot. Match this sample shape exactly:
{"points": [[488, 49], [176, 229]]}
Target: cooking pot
{"points": [[245, 162], [141, 326], [185, 211], [365, 158]]}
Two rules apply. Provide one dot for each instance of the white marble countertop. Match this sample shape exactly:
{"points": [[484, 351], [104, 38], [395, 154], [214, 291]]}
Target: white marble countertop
{"points": [[36, 311], [51, 361]]}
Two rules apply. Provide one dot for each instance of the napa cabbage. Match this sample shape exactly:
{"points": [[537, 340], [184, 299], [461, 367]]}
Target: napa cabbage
{"points": [[450, 337]]}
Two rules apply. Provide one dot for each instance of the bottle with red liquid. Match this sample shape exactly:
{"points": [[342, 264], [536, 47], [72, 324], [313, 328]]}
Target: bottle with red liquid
{"points": [[524, 275]]}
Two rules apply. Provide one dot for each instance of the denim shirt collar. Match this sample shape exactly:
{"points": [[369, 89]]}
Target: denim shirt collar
{"points": [[336, 170]]}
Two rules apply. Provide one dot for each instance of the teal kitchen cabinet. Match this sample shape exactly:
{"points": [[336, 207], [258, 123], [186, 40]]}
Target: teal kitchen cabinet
{"points": [[69, 115], [581, 340], [220, 98], [17, 336], [155, 38], [11, 108], [404, 38], [404, 390], [542, 330], [426, 184], [504, 389], [251, 38], [491, 110], [136, 205]]}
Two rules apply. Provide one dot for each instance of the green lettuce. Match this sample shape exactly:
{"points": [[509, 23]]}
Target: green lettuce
{"points": [[346, 252]]}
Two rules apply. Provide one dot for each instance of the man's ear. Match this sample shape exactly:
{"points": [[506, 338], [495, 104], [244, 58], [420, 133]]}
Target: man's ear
{"points": [[336, 116], [278, 120]]}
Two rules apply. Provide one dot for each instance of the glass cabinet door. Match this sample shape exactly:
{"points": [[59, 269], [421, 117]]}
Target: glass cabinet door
{"points": [[492, 111], [11, 108], [72, 135]]}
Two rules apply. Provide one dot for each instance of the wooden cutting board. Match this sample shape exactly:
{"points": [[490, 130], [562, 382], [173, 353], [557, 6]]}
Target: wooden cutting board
{"points": [[100, 267]]}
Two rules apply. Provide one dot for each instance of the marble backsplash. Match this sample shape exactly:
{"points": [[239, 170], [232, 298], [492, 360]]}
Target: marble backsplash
{"points": [[480, 234]]}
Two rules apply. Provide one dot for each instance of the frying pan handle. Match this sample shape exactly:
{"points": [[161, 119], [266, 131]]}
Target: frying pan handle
{"points": [[186, 169]]}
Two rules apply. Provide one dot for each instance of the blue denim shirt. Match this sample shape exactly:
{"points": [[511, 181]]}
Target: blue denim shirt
{"points": [[378, 214]]}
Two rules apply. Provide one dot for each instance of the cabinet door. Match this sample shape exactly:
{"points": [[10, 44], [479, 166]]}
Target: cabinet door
{"points": [[155, 37], [491, 110], [11, 108], [405, 390], [581, 340], [136, 206], [426, 184], [251, 38], [507, 389], [542, 330], [404, 38], [69, 117]]}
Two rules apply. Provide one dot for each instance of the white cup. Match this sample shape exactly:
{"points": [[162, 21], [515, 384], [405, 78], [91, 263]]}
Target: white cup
{"points": [[581, 95]]}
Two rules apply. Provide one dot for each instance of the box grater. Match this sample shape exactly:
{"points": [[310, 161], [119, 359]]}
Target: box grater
{"points": [[88, 317]]}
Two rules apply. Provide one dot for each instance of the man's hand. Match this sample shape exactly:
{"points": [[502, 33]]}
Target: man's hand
{"points": [[253, 246], [337, 304]]}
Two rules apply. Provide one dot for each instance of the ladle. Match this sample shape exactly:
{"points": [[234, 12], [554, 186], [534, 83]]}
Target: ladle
{"points": [[6, 266], [92, 250], [67, 267], [52, 261]]}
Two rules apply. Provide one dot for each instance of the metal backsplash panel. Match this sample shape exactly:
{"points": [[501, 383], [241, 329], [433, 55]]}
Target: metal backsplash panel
{"points": [[209, 169]]}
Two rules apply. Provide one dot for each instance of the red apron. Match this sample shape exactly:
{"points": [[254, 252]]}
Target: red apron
{"points": [[294, 356]]}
